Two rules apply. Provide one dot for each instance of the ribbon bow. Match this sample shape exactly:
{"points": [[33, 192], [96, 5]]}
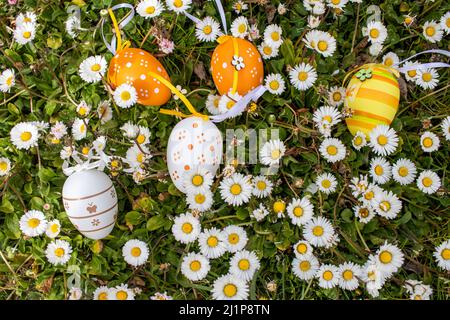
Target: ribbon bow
{"points": [[112, 47]]}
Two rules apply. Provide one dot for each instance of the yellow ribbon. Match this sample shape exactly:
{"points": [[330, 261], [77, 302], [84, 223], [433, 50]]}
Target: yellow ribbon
{"points": [[182, 98], [223, 39], [120, 46]]}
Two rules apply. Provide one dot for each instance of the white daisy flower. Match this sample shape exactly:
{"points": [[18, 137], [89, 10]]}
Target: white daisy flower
{"points": [[235, 238], [101, 293], [383, 140], [197, 179], [212, 104], [125, 95], [24, 135], [375, 49], [310, 39], [328, 276], [236, 189], [135, 252], [28, 17], [137, 156], [83, 109], [411, 75], [302, 248], [348, 274], [445, 22], [186, 228], [200, 200], [373, 277], [359, 140], [318, 231], [143, 136], [5, 166], [244, 264], [104, 111], [259, 213], [313, 21], [7, 80], [325, 44], [390, 59], [332, 150], [359, 184], [303, 76], [300, 211], [368, 196], [337, 4], [262, 187], [272, 35], [387, 204], [239, 27], [227, 102], [418, 290], [121, 292], [229, 287], [58, 130], [93, 69], [79, 128], [274, 83], [149, 8], [58, 252], [207, 29], [195, 266], [213, 243], [380, 170], [305, 267], [73, 25], [178, 6], [376, 32], [429, 141], [389, 258], [445, 126], [428, 182], [442, 255], [408, 20], [253, 32], [161, 296], [271, 152], [327, 183], [427, 78], [326, 116], [239, 6], [131, 130], [336, 96], [53, 228], [25, 33], [364, 213], [267, 51], [33, 223], [432, 31], [404, 171]]}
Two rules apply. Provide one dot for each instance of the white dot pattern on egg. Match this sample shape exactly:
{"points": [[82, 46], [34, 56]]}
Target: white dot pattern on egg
{"points": [[193, 143]]}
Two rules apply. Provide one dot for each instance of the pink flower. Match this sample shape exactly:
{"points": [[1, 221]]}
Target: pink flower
{"points": [[12, 1], [166, 46]]}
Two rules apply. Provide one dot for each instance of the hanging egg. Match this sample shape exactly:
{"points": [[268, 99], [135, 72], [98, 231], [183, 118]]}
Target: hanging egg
{"points": [[236, 59], [90, 201], [193, 143], [131, 66], [373, 96]]}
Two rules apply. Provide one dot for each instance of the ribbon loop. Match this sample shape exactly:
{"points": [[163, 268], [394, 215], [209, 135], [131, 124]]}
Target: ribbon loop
{"points": [[222, 15], [424, 65], [116, 42]]}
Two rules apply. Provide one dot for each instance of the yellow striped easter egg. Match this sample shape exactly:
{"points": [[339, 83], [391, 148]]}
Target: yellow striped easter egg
{"points": [[374, 100]]}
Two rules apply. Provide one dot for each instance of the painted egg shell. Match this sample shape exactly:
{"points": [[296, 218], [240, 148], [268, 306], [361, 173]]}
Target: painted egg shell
{"points": [[193, 143], [90, 201], [131, 66], [373, 101], [249, 77]]}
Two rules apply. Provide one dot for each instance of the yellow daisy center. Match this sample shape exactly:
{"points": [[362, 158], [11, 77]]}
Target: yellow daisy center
{"points": [[335, 2], [103, 296], [427, 182], [82, 128], [197, 180], [322, 45], [337, 96], [279, 206], [385, 206], [178, 3], [298, 211], [317, 231], [369, 195], [305, 266], [302, 248], [382, 140], [230, 290], [261, 185], [96, 67], [27, 34], [374, 33], [379, 170], [121, 295], [427, 142], [195, 265], [207, 29], [447, 22], [403, 171], [358, 141], [212, 241], [150, 10], [408, 20], [59, 252], [332, 150], [34, 223], [230, 104], [85, 150], [233, 238], [430, 31], [347, 275], [244, 264], [388, 62], [242, 28], [275, 154], [236, 189], [445, 254], [25, 136], [3, 166], [275, 36], [187, 227], [200, 198], [327, 118], [54, 228], [125, 96], [274, 85], [135, 252], [326, 183], [140, 158], [302, 76], [267, 50], [363, 212], [9, 81], [385, 257], [328, 275], [140, 139], [426, 77]]}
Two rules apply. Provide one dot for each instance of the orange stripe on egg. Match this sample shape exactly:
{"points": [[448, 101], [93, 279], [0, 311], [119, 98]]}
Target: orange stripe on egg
{"points": [[385, 79], [371, 116], [361, 124], [377, 95]]}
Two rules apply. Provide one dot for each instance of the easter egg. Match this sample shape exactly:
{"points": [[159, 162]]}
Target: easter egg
{"points": [[131, 66], [90, 201], [373, 96], [193, 143], [247, 70]]}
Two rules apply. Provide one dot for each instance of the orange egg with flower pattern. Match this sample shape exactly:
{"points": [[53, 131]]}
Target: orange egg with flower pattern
{"points": [[131, 66], [246, 72]]}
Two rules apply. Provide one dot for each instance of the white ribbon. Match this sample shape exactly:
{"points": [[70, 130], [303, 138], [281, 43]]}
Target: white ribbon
{"points": [[112, 46], [191, 17], [424, 65], [100, 164], [222, 15]]}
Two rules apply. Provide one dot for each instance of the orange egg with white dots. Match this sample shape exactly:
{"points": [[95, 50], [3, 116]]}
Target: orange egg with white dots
{"points": [[236, 64], [131, 66]]}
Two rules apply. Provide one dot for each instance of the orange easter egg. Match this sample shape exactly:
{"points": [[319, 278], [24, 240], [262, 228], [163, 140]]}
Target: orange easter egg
{"points": [[131, 66], [247, 71]]}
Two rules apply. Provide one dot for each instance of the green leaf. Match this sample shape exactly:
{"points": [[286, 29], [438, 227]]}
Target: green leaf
{"points": [[156, 222], [133, 217]]}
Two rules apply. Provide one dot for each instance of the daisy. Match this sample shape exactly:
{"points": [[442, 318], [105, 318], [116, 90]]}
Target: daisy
{"points": [[79, 129], [326, 115], [442, 255], [73, 25], [274, 83], [33, 223], [239, 6], [239, 27], [432, 31], [300, 211], [137, 156], [318, 231], [359, 140], [235, 238], [212, 104], [336, 96], [325, 44], [259, 213], [143, 136], [229, 287], [200, 200], [380, 170], [24, 135], [364, 213], [418, 290], [75, 293], [390, 59], [328, 276], [212, 243], [178, 6], [227, 102], [272, 35], [131, 130], [92, 69], [337, 4], [375, 49], [253, 32], [302, 248], [348, 274], [281, 9], [195, 266], [25, 33], [58, 252], [387, 204], [383, 140], [28, 17], [427, 78], [271, 152], [428, 182], [262, 187], [149, 8], [161, 296], [101, 293], [358, 185], [135, 252], [186, 228], [279, 207], [53, 228], [404, 171], [429, 142], [368, 196], [376, 32], [303, 76], [83, 109], [5, 166], [445, 22], [310, 39], [121, 292], [389, 258], [313, 21], [411, 75], [244, 264], [327, 183], [332, 150], [125, 95], [445, 126], [207, 29], [373, 277], [305, 267], [236, 189], [7, 80], [267, 51], [197, 179], [104, 111]]}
